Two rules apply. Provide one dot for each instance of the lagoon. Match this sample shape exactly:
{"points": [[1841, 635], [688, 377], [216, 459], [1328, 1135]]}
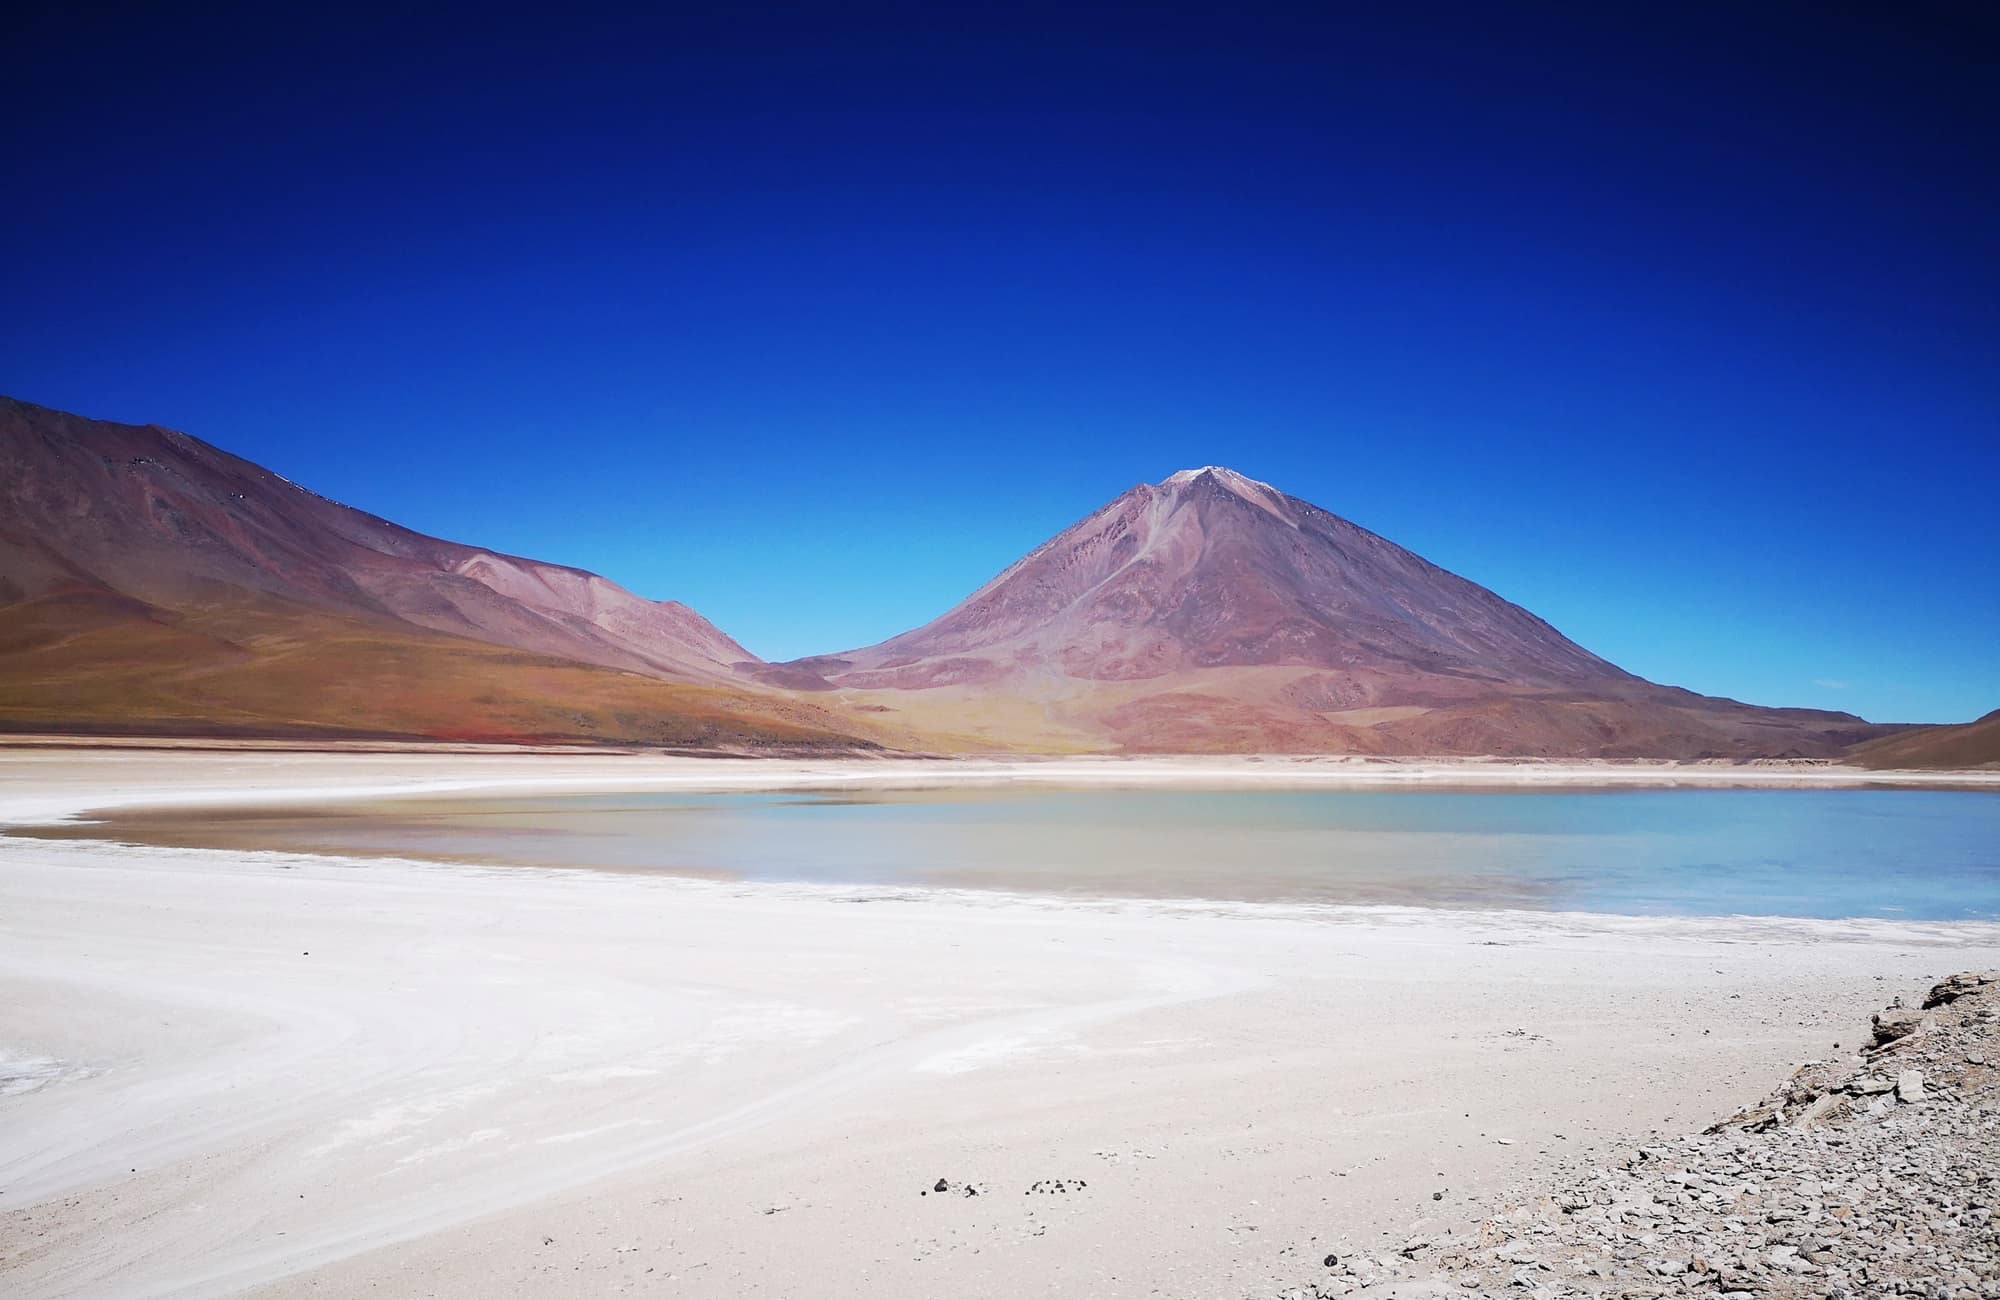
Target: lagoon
{"points": [[1893, 853]]}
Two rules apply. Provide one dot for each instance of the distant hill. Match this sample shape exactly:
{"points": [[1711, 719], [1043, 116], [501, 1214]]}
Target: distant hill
{"points": [[1969, 744], [1211, 612], [150, 583]]}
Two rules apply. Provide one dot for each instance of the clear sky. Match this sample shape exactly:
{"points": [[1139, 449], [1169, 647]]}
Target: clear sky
{"points": [[1678, 324]]}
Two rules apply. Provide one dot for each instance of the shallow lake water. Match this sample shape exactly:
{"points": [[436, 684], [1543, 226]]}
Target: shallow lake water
{"points": [[1912, 854]]}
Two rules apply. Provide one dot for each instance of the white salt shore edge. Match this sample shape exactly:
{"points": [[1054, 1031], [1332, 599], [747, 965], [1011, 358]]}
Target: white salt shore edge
{"points": [[281, 1074], [47, 784]]}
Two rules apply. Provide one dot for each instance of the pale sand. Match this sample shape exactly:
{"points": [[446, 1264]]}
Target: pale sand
{"points": [[227, 1072]]}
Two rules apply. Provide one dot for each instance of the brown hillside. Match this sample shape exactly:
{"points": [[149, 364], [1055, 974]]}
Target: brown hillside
{"points": [[1969, 744], [153, 584]]}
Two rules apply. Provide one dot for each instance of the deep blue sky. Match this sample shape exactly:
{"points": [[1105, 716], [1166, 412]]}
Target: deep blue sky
{"points": [[1678, 327]]}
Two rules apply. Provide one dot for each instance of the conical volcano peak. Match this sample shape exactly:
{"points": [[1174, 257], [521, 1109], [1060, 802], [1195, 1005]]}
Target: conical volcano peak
{"points": [[1257, 493], [1220, 473], [1213, 612]]}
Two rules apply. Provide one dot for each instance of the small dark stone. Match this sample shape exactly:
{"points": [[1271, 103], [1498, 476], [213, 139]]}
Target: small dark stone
{"points": [[941, 1186], [1332, 1261]]}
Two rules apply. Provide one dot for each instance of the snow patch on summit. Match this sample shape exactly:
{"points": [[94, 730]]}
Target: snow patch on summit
{"points": [[1257, 493]]}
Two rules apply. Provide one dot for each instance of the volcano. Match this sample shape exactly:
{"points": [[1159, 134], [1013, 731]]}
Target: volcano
{"points": [[1212, 612]]}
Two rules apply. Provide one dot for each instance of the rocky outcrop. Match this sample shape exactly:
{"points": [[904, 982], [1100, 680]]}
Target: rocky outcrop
{"points": [[1874, 1174]]}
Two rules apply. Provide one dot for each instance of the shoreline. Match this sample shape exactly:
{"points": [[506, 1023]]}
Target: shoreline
{"points": [[1733, 927], [227, 1072], [350, 775], [106, 786], [990, 1010]]}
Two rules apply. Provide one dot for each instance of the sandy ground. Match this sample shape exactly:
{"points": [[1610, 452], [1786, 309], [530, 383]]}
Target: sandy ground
{"points": [[225, 1072]]}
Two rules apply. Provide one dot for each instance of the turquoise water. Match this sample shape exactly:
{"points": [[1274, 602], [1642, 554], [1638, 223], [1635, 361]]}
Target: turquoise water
{"points": [[1916, 854]]}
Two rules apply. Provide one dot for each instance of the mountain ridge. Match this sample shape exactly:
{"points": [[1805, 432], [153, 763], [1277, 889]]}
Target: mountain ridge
{"points": [[150, 581], [229, 523]]}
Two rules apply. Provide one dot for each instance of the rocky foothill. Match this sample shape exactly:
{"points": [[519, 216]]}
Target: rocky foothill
{"points": [[1875, 1174]]}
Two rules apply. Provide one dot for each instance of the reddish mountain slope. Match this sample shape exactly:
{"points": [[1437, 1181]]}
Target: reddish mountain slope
{"points": [[1212, 612], [1969, 744], [151, 582], [164, 518]]}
